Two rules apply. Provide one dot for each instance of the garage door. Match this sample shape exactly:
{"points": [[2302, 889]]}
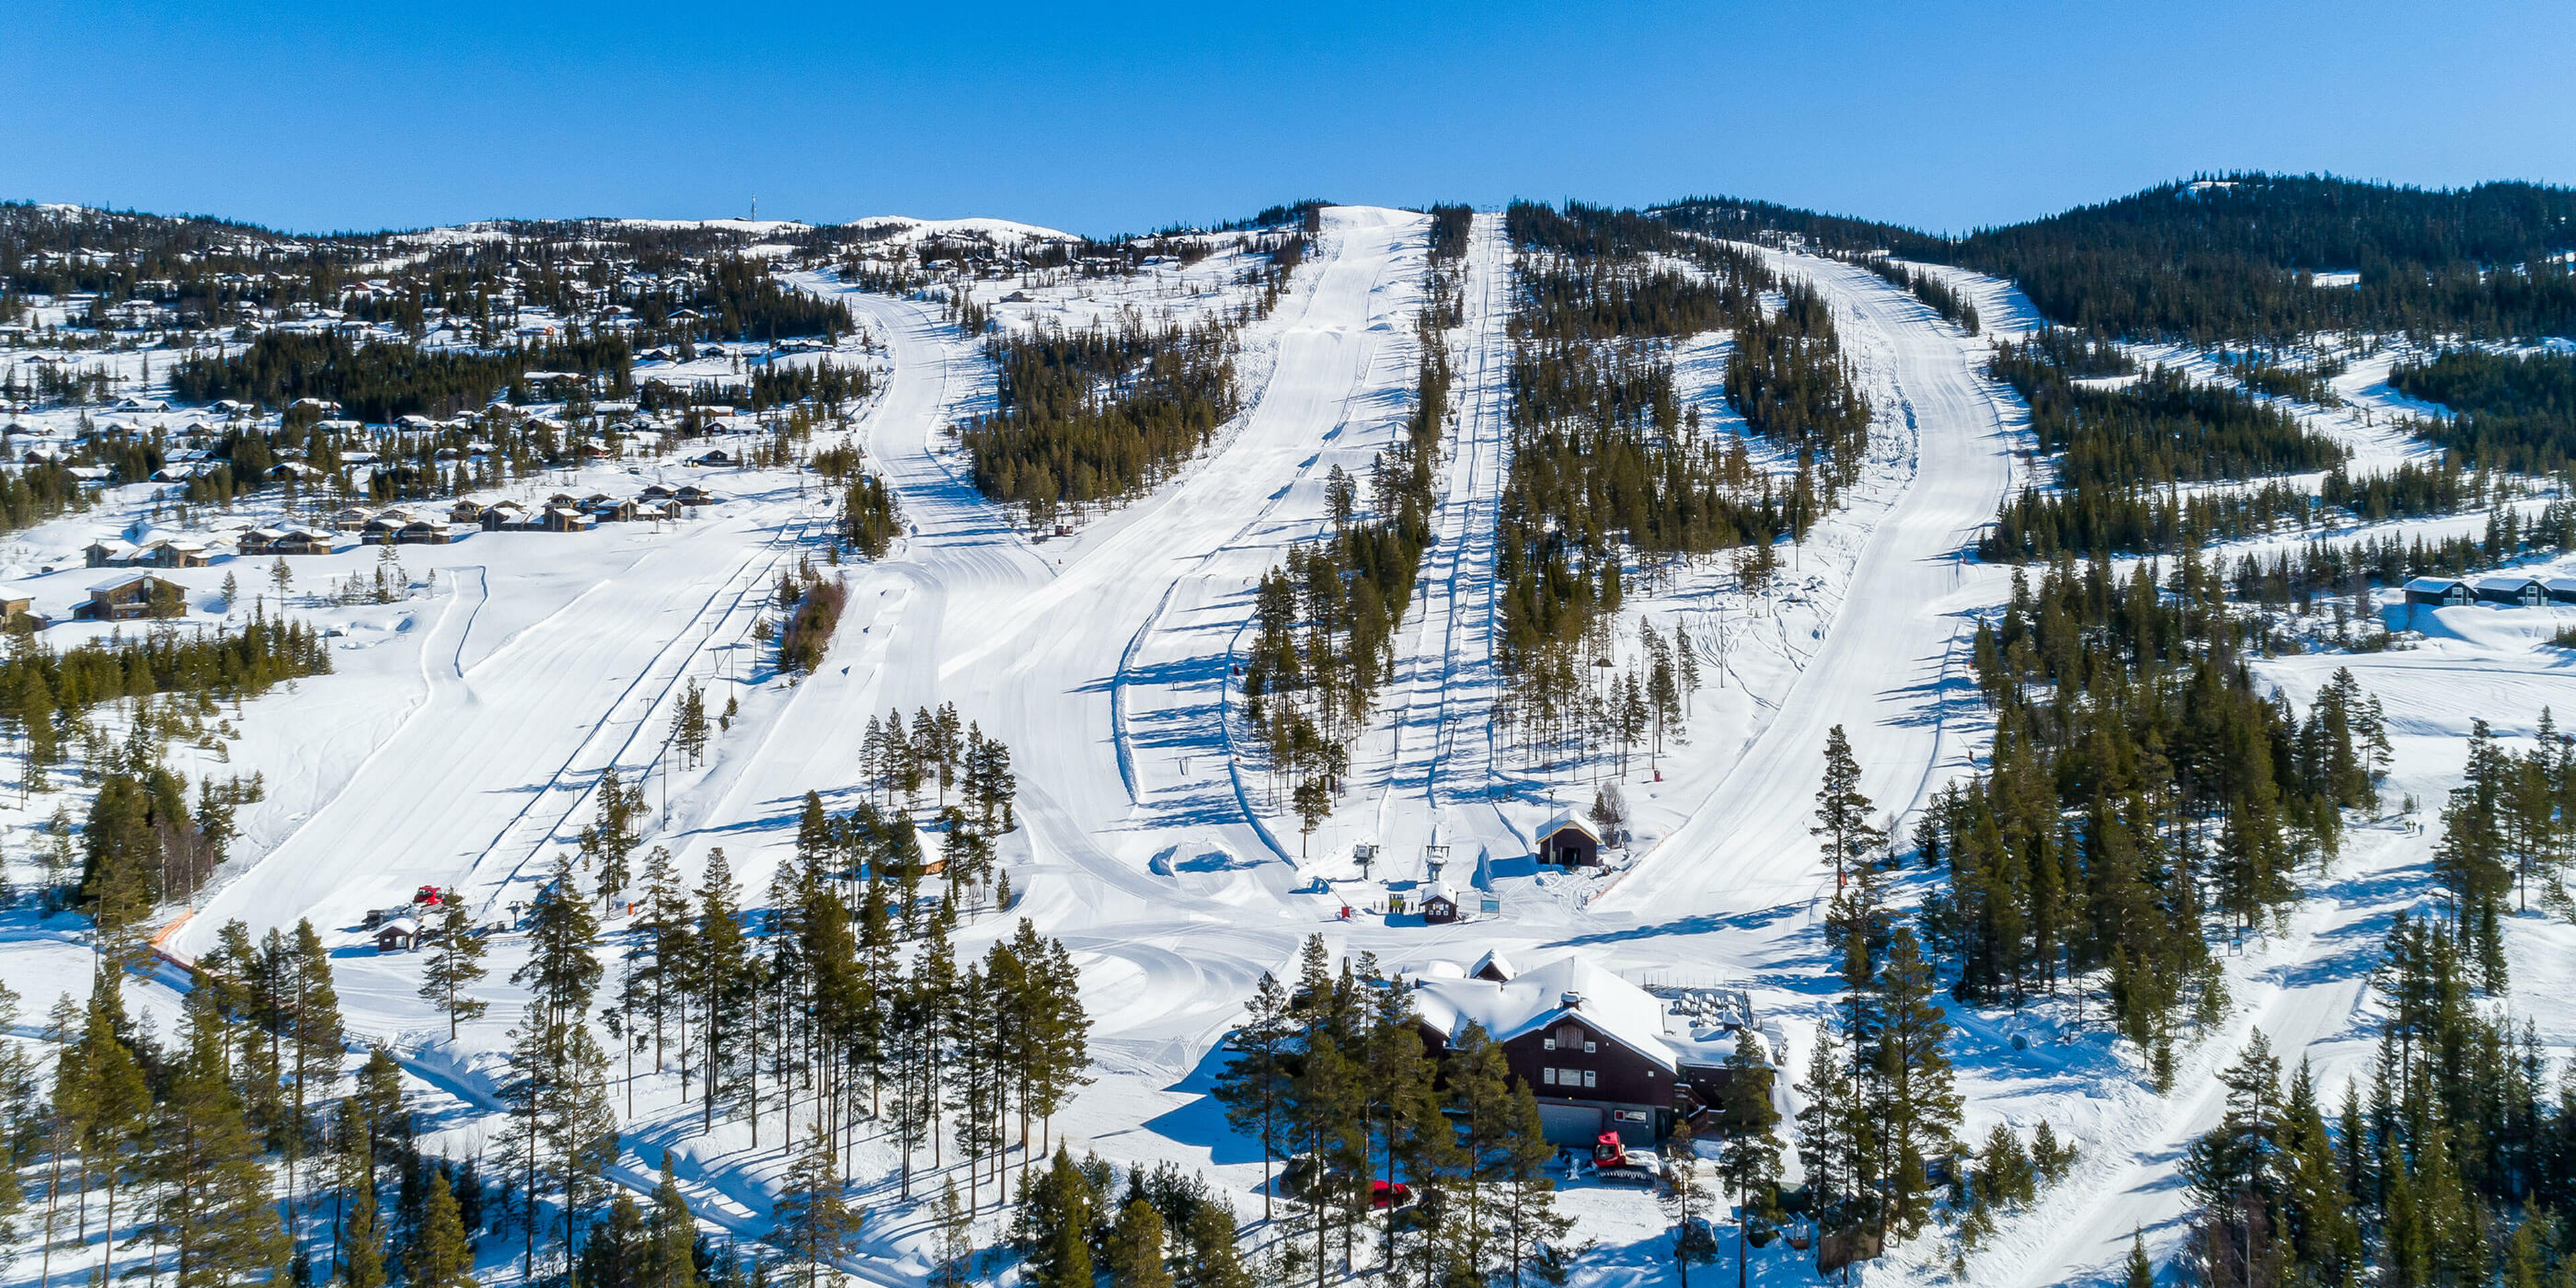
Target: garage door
{"points": [[1575, 1125]]}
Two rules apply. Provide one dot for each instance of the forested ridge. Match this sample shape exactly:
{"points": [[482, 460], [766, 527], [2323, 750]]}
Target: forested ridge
{"points": [[2141, 797], [1100, 415], [2117, 447], [2453, 1159], [2234, 256], [2509, 411]]}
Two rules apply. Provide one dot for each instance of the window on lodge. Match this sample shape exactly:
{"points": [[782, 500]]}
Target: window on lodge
{"points": [[1569, 1077]]}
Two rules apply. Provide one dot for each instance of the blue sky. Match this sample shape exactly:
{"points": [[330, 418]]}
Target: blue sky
{"points": [[1102, 119]]}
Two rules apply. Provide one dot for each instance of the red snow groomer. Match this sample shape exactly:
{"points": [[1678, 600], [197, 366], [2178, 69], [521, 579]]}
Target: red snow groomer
{"points": [[1616, 1164], [428, 896]]}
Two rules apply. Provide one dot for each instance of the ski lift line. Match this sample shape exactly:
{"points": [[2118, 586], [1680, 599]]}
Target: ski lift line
{"points": [[1476, 494]]}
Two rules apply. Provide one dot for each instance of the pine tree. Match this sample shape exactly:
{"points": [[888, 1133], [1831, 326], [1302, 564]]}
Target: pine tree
{"points": [[455, 963], [1749, 1158], [317, 1042], [1834, 1141], [114, 1104], [817, 1227], [1842, 812], [214, 1210], [722, 976], [1913, 1086], [1253, 1086], [657, 962]]}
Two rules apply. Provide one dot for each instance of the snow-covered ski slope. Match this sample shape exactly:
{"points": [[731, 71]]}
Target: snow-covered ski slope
{"points": [[1421, 775], [1891, 665], [1151, 846]]}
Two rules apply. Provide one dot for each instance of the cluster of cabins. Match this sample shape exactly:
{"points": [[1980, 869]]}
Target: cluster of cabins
{"points": [[2502, 589], [399, 526], [1600, 1053]]}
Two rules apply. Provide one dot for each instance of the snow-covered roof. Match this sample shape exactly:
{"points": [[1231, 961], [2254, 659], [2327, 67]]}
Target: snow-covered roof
{"points": [[1494, 963], [404, 924], [1538, 997], [2432, 584], [2505, 581], [2559, 585], [1564, 821]]}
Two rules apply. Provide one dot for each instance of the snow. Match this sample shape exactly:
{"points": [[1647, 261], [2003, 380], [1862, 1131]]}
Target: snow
{"points": [[460, 739]]}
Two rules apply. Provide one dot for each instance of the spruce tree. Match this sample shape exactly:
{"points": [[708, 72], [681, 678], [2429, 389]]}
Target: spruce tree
{"points": [[363, 1242], [1211, 1259], [1136, 1248], [817, 1226], [953, 1262], [1528, 1227], [441, 1257], [671, 1261], [2139, 1271]]}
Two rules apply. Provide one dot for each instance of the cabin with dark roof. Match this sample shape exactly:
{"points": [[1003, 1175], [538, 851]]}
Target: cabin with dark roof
{"points": [[2439, 592], [2510, 590]]}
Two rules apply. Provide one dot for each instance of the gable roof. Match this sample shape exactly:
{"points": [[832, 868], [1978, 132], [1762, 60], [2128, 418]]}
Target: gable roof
{"points": [[1563, 821], [1539, 997]]}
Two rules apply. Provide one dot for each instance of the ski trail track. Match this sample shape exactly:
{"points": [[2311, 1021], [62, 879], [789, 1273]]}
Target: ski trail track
{"points": [[1892, 662], [1341, 369], [489, 766], [1102, 658]]}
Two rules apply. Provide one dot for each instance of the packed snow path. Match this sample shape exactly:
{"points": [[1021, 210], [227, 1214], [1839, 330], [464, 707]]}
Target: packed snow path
{"points": [[1430, 757], [1891, 669], [499, 754]]}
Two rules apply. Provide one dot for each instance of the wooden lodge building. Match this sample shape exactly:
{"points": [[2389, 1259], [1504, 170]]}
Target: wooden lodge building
{"points": [[1600, 1054]]}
